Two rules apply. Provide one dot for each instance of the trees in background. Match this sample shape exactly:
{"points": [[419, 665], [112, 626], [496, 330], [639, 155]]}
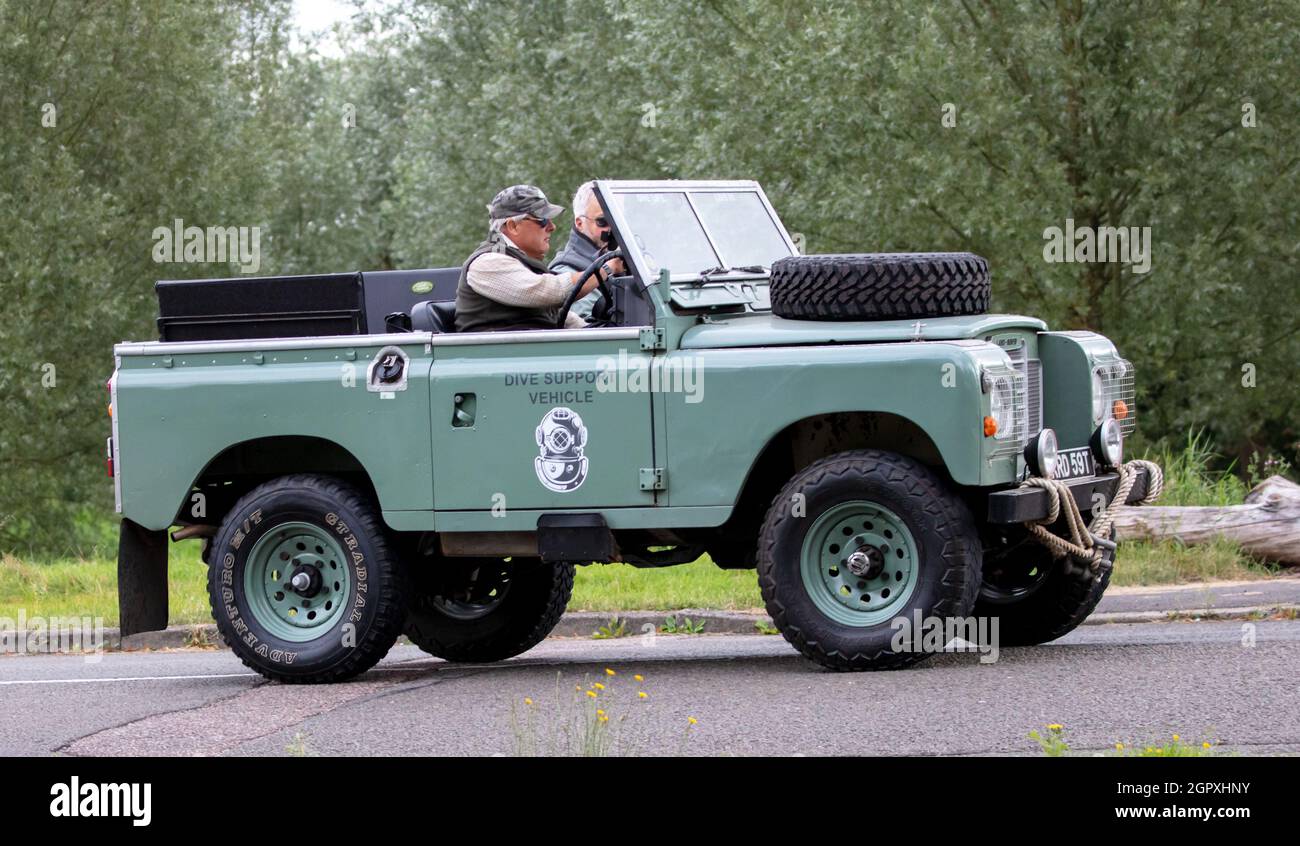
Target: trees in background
{"points": [[874, 127]]}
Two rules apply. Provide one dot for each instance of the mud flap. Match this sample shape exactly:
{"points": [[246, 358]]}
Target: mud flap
{"points": [[141, 579]]}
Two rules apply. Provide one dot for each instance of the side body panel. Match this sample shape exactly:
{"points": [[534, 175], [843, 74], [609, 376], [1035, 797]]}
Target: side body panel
{"points": [[749, 395], [593, 441]]}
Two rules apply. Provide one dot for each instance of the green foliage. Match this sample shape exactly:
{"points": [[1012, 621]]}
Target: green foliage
{"points": [[152, 107], [385, 156], [1191, 477], [614, 628], [597, 720], [1052, 743], [684, 625]]}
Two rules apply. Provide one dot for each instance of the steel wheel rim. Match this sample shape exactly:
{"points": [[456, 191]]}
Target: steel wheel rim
{"points": [[1000, 587], [279, 557], [483, 591], [853, 598]]}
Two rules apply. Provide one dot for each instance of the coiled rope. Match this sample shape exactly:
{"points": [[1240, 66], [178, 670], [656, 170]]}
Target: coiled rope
{"points": [[1085, 541]]}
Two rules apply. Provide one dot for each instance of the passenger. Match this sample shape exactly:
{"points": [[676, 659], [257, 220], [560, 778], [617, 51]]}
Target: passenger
{"points": [[590, 227], [504, 284]]}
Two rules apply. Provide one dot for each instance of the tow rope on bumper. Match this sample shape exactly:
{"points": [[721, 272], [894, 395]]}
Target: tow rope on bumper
{"points": [[1086, 542]]}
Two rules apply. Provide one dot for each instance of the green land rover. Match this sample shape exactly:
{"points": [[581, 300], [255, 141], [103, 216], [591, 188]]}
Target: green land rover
{"points": [[857, 428]]}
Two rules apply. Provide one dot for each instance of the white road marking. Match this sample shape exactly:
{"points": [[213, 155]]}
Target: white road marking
{"points": [[127, 678]]}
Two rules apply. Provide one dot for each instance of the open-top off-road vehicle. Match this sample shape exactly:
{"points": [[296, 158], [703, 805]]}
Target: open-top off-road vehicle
{"points": [[855, 427]]}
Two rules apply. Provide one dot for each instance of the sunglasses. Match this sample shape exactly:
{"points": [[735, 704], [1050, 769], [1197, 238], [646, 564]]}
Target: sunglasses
{"points": [[541, 221]]}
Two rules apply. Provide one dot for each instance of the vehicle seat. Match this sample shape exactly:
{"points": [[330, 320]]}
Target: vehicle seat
{"points": [[437, 317]]}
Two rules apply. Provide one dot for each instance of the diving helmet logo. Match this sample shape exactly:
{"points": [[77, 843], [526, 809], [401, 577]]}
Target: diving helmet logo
{"points": [[561, 436]]}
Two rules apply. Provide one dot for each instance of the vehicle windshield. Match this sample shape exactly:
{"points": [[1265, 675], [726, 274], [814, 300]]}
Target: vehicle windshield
{"points": [[693, 230]]}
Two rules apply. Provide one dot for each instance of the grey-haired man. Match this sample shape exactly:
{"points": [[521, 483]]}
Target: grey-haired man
{"points": [[589, 228], [504, 284]]}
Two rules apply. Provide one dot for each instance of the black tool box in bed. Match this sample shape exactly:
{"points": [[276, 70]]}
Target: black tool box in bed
{"points": [[294, 306]]}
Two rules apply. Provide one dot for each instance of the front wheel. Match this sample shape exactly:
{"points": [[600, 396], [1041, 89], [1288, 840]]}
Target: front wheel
{"points": [[302, 582], [853, 543]]}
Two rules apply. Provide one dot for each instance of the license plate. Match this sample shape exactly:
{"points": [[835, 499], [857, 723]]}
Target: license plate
{"points": [[1073, 463]]}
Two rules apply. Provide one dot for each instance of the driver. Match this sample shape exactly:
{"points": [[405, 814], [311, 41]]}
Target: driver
{"points": [[504, 284], [590, 228]]}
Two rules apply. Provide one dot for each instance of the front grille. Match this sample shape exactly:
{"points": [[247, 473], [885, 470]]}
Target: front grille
{"points": [[1034, 388], [1117, 386]]}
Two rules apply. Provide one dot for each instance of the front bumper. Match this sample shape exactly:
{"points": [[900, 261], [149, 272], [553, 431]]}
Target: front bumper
{"points": [[1019, 505]]}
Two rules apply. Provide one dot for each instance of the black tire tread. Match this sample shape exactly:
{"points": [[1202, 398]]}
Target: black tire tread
{"points": [[512, 639], [1055, 610], [879, 286]]}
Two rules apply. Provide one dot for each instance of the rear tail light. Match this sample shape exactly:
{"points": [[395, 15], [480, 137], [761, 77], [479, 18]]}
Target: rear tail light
{"points": [[110, 458]]}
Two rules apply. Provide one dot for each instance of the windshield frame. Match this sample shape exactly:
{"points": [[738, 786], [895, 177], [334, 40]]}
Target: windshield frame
{"points": [[608, 188]]}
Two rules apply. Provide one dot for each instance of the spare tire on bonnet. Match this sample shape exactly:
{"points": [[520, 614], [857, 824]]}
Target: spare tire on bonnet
{"points": [[879, 286]]}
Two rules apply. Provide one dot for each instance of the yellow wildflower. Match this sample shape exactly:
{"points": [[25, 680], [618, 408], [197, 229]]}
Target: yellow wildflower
{"points": [[592, 694], [610, 672], [641, 694], [598, 686], [604, 719], [527, 701], [600, 712], [639, 677], [691, 720], [1055, 727], [1119, 747], [1205, 745], [1175, 738]]}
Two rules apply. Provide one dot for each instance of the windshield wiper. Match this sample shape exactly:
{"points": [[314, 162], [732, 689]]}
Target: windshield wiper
{"points": [[707, 275]]}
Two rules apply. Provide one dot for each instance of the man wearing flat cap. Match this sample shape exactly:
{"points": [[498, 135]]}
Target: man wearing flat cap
{"points": [[504, 284]]}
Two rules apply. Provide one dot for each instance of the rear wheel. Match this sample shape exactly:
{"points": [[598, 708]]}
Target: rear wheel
{"points": [[485, 609], [302, 583], [856, 541]]}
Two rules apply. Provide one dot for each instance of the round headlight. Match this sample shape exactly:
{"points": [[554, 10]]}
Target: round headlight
{"points": [[1108, 443], [1001, 405], [1041, 452], [1100, 398]]}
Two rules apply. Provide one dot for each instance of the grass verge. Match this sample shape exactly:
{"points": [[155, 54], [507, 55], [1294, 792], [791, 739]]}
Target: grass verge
{"points": [[76, 588]]}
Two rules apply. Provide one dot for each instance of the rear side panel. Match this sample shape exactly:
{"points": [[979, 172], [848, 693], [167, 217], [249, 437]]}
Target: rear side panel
{"points": [[180, 405]]}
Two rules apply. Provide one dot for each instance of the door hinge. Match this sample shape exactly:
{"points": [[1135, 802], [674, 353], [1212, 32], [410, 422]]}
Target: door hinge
{"points": [[654, 479], [652, 338]]}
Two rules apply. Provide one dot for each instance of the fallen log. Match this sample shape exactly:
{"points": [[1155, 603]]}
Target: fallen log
{"points": [[1267, 524]]}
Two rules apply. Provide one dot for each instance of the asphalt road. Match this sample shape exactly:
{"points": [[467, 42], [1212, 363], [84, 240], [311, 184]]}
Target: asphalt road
{"points": [[751, 695]]}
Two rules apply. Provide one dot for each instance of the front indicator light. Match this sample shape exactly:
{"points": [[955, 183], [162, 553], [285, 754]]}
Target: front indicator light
{"points": [[990, 427], [1119, 410]]}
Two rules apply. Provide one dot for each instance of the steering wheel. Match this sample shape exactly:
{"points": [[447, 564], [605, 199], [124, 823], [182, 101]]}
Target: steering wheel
{"points": [[605, 293]]}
